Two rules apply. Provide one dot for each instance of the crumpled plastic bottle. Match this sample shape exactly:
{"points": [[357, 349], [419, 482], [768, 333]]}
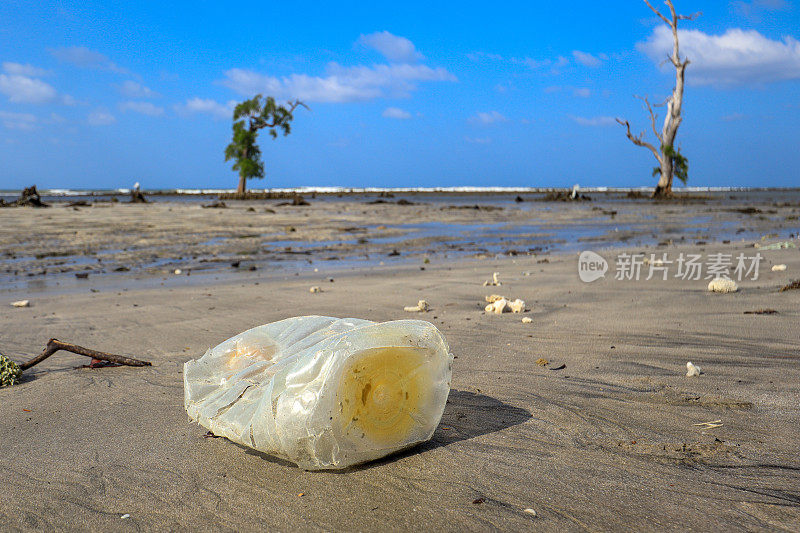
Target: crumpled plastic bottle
{"points": [[323, 392]]}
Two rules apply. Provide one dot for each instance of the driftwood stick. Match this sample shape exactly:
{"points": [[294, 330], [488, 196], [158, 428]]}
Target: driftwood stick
{"points": [[54, 345]]}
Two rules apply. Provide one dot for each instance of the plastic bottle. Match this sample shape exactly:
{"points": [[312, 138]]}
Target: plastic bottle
{"points": [[322, 392]]}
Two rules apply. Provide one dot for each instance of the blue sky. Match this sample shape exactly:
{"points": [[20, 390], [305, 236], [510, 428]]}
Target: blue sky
{"points": [[403, 94]]}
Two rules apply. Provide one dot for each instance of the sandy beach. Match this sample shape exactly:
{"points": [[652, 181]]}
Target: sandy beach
{"points": [[609, 441]]}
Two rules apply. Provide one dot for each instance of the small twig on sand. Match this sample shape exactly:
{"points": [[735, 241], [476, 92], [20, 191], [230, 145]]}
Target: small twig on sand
{"points": [[709, 425], [54, 345]]}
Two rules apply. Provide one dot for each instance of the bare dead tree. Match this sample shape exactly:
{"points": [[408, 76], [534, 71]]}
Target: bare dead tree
{"points": [[670, 161]]}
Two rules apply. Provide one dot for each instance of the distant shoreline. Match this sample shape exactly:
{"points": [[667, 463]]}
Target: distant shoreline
{"points": [[347, 191]]}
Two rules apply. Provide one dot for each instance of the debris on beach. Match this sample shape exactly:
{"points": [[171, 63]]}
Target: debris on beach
{"points": [[21, 303], [10, 372], [762, 312], [219, 204], [692, 370], [778, 268], [530, 512], [527, 320], [709, 425], [775, 246], [421, 307], [655, 262], [494, 282], [10, 369], [137, 197], [314, 289], [369, 388], [722, 285], [29, 197], [795, 285], [297, 200], [542, 361], [497, 307], [571, 195], [500, 304], [517, 306], [178, 272]]}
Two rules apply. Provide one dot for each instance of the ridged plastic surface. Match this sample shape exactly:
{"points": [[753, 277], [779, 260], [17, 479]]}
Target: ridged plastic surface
{"points": [[323, 392]]}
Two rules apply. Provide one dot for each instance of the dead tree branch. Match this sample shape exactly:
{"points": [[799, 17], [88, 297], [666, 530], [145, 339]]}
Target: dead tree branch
{"points": [[54, 345], [639, 141], [653, 116]]}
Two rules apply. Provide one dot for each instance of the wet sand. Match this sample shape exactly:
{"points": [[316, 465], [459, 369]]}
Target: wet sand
{"points": [[608, 442], [44, 249]]}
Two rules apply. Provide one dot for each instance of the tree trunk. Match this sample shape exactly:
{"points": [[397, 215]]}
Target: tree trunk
{"points": [[664, 187], [241, 190]]}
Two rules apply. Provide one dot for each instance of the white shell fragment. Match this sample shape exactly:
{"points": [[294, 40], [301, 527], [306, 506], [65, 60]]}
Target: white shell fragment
{"points": [[778, 268], [314, 289], [517, 306], [497, 307], [529, 511], [722, 285], [323, 392], [692, 370], [178, 272], [421, 307], [500, 304], [494, 282], [21, 303], [527, 320]]}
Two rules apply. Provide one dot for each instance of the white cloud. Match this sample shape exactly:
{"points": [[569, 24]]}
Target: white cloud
{"points": [[594, 121], [396, 112], [18, 121], [209, 106], [737, 57], [582, 92], [491, 117], [478, 140], [80, 56], [394, 48], [340, 84], [145, 108], [100, 117], [23, 89], [24, 70], [586, 59], [131, 89]]}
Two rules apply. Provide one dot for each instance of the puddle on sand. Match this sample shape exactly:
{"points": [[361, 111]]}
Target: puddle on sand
{"points": [[280, 257]]}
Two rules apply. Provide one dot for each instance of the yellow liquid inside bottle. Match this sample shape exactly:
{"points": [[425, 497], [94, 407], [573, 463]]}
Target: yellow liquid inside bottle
{"points": [[383, 393]]}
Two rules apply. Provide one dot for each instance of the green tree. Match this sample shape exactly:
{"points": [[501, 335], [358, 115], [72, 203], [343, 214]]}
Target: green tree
{"points": [[249, 118]]}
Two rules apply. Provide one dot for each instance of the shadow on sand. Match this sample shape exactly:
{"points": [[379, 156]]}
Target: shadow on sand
{"points": [[466, 416]]}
